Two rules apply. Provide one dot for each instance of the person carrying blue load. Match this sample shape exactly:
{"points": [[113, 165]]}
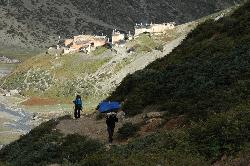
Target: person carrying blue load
{"points": [[111, 119], [110, 109], [78, 106]]}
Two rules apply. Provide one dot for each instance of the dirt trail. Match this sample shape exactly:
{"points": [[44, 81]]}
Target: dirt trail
{"points": [[89, 126]]}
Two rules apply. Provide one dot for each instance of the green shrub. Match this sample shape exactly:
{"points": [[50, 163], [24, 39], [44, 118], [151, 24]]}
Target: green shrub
{"points": [[159, 148], [127, 130], [159, 47], [225, 133], [76, 147], [44, 145], [66, 117], [100, 116], [99, 51]]}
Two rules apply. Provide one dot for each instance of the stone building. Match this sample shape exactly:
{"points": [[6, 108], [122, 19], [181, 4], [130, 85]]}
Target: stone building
{"points": [[117, 37], [153, 28], [85, 43]]}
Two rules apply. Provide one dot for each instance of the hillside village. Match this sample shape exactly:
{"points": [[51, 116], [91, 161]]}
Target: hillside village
{"points": [[185, 104], [88, 43], [184, 91]]}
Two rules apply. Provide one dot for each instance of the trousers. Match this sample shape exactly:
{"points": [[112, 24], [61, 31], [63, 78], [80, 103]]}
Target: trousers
{"points": [[110, 133], [77, 112]]}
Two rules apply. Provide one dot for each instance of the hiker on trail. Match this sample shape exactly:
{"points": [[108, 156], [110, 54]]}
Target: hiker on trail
{"points": [[78, 106], [111, 119], [109, 108]]}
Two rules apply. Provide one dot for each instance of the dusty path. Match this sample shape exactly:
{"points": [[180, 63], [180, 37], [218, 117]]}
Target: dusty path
{"points": [[89, 126], [86, 126]]}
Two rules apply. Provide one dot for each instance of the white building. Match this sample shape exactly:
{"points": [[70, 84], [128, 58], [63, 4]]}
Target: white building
{"points": [[153, 28]]}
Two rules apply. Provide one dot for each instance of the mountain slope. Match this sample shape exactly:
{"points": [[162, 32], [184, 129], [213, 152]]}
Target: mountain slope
{"points": [[33, 23], [92, 76], [207, 76], [202, 75]]}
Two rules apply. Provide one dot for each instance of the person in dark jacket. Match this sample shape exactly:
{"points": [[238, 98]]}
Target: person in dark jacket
{"points": [[111, 119], [78, 106]]}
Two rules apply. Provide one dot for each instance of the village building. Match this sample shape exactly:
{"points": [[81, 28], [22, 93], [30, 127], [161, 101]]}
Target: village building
{"points": [[88, 43], [130, 36], [153, 28], [84, 43], [117, 37]]}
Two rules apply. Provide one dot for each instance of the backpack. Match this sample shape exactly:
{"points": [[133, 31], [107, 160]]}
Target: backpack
{"points": [[78, 102]]}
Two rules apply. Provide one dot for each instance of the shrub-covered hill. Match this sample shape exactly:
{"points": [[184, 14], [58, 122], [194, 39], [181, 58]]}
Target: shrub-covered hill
{"points": [[221, 140], [208, 73]]}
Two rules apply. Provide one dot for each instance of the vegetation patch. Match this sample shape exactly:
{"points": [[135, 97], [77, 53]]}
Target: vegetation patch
{"points": [[48, 147], [200, 77], [127, 130], [99, 51], [203, 143], [21, 54], [54, 77], [33, 101], [206, 79], [146, 43]]}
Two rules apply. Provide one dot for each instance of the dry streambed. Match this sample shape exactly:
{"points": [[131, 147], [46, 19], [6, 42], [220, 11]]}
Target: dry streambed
{"points": [[14, 121]]}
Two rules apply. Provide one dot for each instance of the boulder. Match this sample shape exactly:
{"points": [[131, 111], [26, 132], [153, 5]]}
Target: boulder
{"points": [[7, 94], [152, 124], [121, 115], [55, 51], [14, 92], [175, 123], [154, 115]]}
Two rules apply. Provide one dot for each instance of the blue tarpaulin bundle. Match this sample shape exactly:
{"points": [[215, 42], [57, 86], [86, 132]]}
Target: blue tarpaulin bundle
{"points": [[107, 106]]}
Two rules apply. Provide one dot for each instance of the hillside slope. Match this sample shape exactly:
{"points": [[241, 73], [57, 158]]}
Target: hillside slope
{"points": [[93, 76], [204, 82], [29, 24], [208, 73]]}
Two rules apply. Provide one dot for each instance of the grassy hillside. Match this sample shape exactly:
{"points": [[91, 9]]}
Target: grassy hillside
{"points": [[93, 76], [205, 80], [208, 73], [54, 77]]}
